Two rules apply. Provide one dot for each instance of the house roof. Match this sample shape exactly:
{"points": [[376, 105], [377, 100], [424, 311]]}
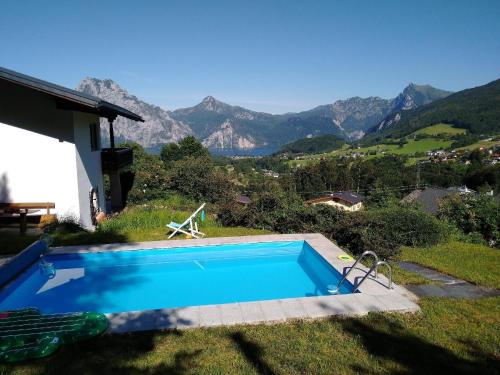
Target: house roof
{"points": [[429, 198], [346, 196], [68, 98], [349, 197]]}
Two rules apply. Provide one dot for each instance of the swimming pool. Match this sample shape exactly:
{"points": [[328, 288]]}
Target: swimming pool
{"points": [[121, 281]]}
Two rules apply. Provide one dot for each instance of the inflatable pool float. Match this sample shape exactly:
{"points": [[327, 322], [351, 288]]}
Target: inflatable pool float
{"points": [[26, 333], [345, 257]]}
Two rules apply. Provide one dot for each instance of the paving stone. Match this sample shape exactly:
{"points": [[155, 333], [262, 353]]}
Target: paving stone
{"points": [[272, 310], [391, 303], [210, 315], [166, 318], [369, 303], [252, 313], [293, 308], [231, 314], [321, 307], [188, 317], [132, 321]]}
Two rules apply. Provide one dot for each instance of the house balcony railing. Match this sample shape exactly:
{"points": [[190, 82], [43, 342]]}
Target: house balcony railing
{"points": [[113, 159]]}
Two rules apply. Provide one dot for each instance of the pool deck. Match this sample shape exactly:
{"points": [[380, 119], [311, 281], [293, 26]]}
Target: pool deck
{"points": [[374, 295]]}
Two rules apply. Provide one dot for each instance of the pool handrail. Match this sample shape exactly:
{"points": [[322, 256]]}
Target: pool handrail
{"points": [[365, 253], [374, 267]]}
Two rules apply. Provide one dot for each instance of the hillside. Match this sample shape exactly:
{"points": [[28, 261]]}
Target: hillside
{"points": [[476, 109], [315, 145]]}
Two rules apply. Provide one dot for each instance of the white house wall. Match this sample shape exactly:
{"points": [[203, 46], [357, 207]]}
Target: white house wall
{"points": [[88, 166], [38, 168]]}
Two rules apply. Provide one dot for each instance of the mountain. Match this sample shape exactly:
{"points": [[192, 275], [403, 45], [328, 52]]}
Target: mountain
{"points": [[223, 126], [476, 109], [413, 96], [158, 127], [313, 145], [220, 125]]}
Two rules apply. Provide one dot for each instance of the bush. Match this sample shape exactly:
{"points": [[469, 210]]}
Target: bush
{"points": [[355, 232], [407, 226], [386, 230], [473, 214], [187, 147], [198, 179], [146, 179]]}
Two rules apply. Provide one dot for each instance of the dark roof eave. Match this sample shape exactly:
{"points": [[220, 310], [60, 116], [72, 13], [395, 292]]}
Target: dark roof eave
{"points": [[112, 109], [99, 106]]}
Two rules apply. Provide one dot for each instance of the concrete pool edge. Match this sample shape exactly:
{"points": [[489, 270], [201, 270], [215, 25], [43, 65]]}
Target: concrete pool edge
{"points": [[374, 296]]}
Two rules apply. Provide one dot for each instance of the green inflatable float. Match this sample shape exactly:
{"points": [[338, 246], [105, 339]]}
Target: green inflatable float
{"points": [[28, 334]]}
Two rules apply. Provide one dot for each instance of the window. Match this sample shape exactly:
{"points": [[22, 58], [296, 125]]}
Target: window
{"points": [[95, 141]]}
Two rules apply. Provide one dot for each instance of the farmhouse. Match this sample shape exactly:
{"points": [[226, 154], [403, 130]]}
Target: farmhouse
{"points": [[346, 201], [51, 148]]}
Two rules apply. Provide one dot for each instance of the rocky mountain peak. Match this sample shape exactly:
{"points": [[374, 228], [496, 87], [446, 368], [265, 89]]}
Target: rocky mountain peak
{"points": [[159, 126], [209, 99], [211, 104]]}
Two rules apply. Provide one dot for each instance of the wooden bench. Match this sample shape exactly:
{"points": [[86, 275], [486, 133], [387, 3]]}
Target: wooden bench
{"points": [[21, 209]]}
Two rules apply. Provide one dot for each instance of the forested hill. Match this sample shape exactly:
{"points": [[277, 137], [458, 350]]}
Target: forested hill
{"points": [[476, 109], [315, 145]]}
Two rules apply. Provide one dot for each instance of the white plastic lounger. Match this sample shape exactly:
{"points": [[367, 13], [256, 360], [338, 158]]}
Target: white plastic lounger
{"points": [[191, 230]]}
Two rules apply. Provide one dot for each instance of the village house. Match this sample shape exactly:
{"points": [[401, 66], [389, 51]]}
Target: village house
{"points": [[430, 198], [345, 201], [51, 149]]}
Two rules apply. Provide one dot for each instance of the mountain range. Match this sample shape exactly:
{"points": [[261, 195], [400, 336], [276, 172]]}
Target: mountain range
{"points": [[223, 126], [476, 109]]}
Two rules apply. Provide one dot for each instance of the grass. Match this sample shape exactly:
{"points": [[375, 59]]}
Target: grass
{"points": [[475, 263], [483, 143], [410, 148], [134, 224], [422, 145], [441, 129], [448, 336]]}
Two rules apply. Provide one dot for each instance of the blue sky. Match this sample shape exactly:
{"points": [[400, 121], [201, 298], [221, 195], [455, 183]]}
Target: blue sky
{"points": [[267, 55]]}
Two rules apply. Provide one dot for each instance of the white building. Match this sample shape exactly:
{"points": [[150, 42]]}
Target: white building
{"points": [[50, 149]]}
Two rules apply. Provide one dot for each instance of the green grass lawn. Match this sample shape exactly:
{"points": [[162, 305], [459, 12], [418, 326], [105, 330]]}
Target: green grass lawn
{"points": [[422, 145], [439, 129], [485, 144], [134, 224], [449, 336], [474, 263]]}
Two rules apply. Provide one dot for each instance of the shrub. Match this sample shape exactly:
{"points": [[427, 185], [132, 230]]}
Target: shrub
{"points": [[187, 147], [145, 179], [407, 226], [474, 214], [197, 178], [386, 230], [358, 234]]}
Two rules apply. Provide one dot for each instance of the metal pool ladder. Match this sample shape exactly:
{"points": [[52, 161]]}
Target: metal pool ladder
{"points": [[373, 268]]}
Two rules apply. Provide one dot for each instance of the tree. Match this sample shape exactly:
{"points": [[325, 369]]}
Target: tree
{"points": [[187, 147], [170, 152], [146, 178], [197, 178]]}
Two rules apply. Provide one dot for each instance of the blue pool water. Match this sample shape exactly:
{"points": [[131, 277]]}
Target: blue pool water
{"points": [[151, 279]]}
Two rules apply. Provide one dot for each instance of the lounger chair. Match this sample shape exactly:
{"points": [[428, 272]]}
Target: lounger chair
{"points": [[192, 229]]}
